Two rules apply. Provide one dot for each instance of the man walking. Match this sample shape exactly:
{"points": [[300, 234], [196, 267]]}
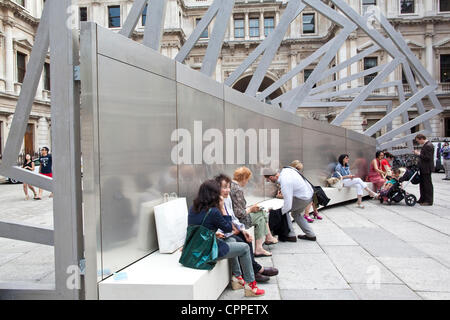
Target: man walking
{"points": [[426, 167], [445, 151], [45, 168], [297, 194]]}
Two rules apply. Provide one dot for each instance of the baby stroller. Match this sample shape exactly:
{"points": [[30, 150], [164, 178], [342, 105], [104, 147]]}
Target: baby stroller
{"points": [[397, 193]]}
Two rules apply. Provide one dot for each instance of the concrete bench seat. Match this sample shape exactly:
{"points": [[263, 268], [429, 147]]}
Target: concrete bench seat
{"points": [[161, 277]]}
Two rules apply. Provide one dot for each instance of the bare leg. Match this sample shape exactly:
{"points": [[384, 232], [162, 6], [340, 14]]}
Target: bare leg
{"points": [[306, 213], [25, 190], [32, 189], [259, 250], [40, 193], [269, 236]]}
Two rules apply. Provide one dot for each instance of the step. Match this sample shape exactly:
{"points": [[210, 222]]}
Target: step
{"points": [[161, 277]]}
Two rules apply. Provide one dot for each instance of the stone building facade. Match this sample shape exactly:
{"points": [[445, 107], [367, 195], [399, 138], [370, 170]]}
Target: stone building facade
{"points": [[425, 24]]}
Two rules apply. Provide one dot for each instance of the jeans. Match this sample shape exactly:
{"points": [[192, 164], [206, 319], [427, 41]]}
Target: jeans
{"points": [[241, 238], [239, 252]]}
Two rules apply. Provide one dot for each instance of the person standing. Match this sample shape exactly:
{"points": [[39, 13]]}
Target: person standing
{"points": [[297, 194], [426, 167], [28, 164], [445, 151], [45, 168]]}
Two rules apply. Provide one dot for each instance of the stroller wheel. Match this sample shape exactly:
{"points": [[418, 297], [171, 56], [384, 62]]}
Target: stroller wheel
{"points": [[381, 199], [410, 200]]}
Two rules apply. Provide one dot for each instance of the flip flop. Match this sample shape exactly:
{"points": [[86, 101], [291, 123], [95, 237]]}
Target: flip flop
{"points": [[271, 242], [263, 255]]}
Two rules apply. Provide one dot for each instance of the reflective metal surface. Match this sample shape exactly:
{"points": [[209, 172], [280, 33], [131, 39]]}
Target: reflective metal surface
{"points": [[137, 116]]}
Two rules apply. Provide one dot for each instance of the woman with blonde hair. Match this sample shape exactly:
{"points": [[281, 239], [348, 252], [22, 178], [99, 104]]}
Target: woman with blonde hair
{"points": [[299, 166], [252, 216]]}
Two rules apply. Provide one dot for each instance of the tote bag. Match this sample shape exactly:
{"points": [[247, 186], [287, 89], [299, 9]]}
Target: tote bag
{"points": [[200, 250]]}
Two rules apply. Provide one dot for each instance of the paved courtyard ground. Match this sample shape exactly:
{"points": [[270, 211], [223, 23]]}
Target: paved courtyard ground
{"points": [[380, 252]]}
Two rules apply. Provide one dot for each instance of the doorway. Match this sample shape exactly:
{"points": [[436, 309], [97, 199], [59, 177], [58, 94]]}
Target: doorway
{"points": [[29, 139]]}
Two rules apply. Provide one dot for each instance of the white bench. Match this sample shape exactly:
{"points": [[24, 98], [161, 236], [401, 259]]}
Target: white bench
{"points": [[161, 277]]}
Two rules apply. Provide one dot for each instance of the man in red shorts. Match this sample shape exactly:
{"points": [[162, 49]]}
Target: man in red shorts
{"points": [[45, 168]]}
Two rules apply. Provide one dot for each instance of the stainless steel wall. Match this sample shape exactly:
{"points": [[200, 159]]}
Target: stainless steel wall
{"points": [[133, 100]]}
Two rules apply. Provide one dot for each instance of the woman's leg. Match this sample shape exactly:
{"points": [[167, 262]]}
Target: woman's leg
{"points": [[306, 214], [32, 189], [25, 190], [269, 237], [260, 224], [240, 250]]}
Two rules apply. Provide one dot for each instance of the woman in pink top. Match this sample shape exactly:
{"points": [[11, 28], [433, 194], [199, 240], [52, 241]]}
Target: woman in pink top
{"points": [[376, 173]]}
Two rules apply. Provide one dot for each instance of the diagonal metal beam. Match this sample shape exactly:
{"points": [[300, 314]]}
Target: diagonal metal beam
{"points": [[267, 42], [408, 138], [297, 69], [291, 12], [133, 17], [202, 25], [218, 34], [154, 25], [399, 110], [26, 232], [366, 92]]}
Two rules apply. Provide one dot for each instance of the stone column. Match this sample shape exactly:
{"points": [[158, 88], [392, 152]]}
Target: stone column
{"points": [[293, 63], [391, 90], [342, 56], [429, 53], [246, 27], [261, 25], [9, 51], [43, 133], [353, 52], [231, 28]]}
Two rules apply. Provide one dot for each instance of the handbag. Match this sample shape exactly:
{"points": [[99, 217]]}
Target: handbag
{"points": [[200, 250]]}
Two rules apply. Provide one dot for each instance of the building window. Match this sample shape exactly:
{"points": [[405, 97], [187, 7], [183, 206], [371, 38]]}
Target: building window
{"points": [[370, 63], [205, 32], [47, 76], [444, 5], [83, 14], [21, 67], [268, 26], [405, 80], [114, 16], [306, 74], [144, 15], [309, 23], [407, 6], [371, 122], [21, 2], [445, 68], [239, 28], [254, 27], [367, 3], [447, 127]]}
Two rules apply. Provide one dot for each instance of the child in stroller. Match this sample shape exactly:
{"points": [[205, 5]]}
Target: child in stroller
{"points": [[392, 190]]}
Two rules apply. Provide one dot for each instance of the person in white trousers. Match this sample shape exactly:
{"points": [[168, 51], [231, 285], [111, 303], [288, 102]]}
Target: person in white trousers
{"points": [[445, 151], [349, 180]]}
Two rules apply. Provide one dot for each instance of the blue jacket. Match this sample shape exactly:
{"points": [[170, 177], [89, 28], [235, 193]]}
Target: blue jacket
{"points": [[214, 221], [344, 171]]}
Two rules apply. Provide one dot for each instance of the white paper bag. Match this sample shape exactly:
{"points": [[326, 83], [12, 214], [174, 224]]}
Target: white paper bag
{"points": [[171, 224]]}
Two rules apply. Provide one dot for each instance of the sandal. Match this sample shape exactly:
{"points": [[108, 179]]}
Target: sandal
{"points": [[361, 206], [269, 254], [308, 219], [274, 241], [316, 215]]}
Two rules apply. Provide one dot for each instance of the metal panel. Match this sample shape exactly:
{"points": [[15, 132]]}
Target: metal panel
{"points": [[27, 232], [320, 152], [207, 111], [120, 48], [137, 117], [196, 80], [239, 118]]}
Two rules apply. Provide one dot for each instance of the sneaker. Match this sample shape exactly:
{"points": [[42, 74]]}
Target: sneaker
{"points": [[251, 290], [237, 282]]}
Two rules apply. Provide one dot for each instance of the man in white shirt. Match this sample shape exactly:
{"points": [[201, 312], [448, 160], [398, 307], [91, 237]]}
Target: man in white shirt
{"points": [[297, 194]]}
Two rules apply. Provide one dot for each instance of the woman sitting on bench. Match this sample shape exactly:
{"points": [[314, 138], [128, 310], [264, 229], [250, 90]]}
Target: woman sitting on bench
{"points": [[209, 200], [349, 180]]}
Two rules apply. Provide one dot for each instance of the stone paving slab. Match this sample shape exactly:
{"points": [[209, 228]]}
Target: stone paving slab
{"points": [[308, 271], [439, 251], [420, 274], [381, 243], [434, 295], [384, 292], [416, 232], [271, 293], [356, 265]]}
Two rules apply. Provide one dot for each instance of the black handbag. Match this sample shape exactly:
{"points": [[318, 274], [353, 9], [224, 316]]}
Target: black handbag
{"points": [[322, 198]]}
